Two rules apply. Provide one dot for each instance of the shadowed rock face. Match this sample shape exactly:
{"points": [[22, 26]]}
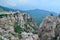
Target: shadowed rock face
{"points": [[50, 28], [12, 25]]}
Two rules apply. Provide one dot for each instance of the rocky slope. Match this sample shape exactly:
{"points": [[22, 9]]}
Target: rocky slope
{"points": [[20, 26], [49, 29], [12, 24]]}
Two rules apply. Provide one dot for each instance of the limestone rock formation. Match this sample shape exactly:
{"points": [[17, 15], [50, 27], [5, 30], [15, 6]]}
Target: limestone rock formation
{"points": [[49, 29], [29, 36], [20, 26], [26, 22], [12, 24]]}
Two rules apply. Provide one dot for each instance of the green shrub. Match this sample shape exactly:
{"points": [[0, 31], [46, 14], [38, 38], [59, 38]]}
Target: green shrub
{"points": [[17, 27]]}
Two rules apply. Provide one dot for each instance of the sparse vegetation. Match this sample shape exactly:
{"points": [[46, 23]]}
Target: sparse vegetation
{"points": [[17, 27], [3, 15], [1, 38]]}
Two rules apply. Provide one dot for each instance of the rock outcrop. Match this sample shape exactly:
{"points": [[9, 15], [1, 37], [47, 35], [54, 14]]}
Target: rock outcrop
{"points": [[20, 26], [29, 36], [12, 24], [49, 29]]}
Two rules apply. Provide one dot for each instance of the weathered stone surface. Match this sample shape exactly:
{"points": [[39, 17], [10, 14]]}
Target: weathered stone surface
{"points": [[11, 25], [35, 37], [29, 36], [50, 28]]}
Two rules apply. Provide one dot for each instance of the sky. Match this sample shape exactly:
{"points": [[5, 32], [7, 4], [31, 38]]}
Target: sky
{"points": [[49, 5]]}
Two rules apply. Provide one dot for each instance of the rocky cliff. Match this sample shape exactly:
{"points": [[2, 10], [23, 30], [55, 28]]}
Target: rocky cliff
{"points": [[20, 26], [12, 24], [49, 29]]}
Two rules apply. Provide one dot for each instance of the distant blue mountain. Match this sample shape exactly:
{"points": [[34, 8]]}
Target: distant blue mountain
{"points": [[37, 14], [9, 9]]}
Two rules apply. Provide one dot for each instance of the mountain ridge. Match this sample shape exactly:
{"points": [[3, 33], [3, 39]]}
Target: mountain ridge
{"points": [[37, 14]]}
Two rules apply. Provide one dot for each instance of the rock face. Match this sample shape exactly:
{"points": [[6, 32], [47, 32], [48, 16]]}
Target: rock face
{"points": [[20, 26], [26, 22], [29, 36], [12, 25], [50, 28]]}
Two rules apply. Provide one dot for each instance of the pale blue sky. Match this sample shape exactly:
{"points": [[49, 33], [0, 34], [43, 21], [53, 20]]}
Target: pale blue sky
{"points": [[50, 5]]}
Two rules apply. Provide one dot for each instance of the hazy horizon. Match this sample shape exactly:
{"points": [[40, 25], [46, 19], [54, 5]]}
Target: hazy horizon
{"points": [[49, 5]]}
